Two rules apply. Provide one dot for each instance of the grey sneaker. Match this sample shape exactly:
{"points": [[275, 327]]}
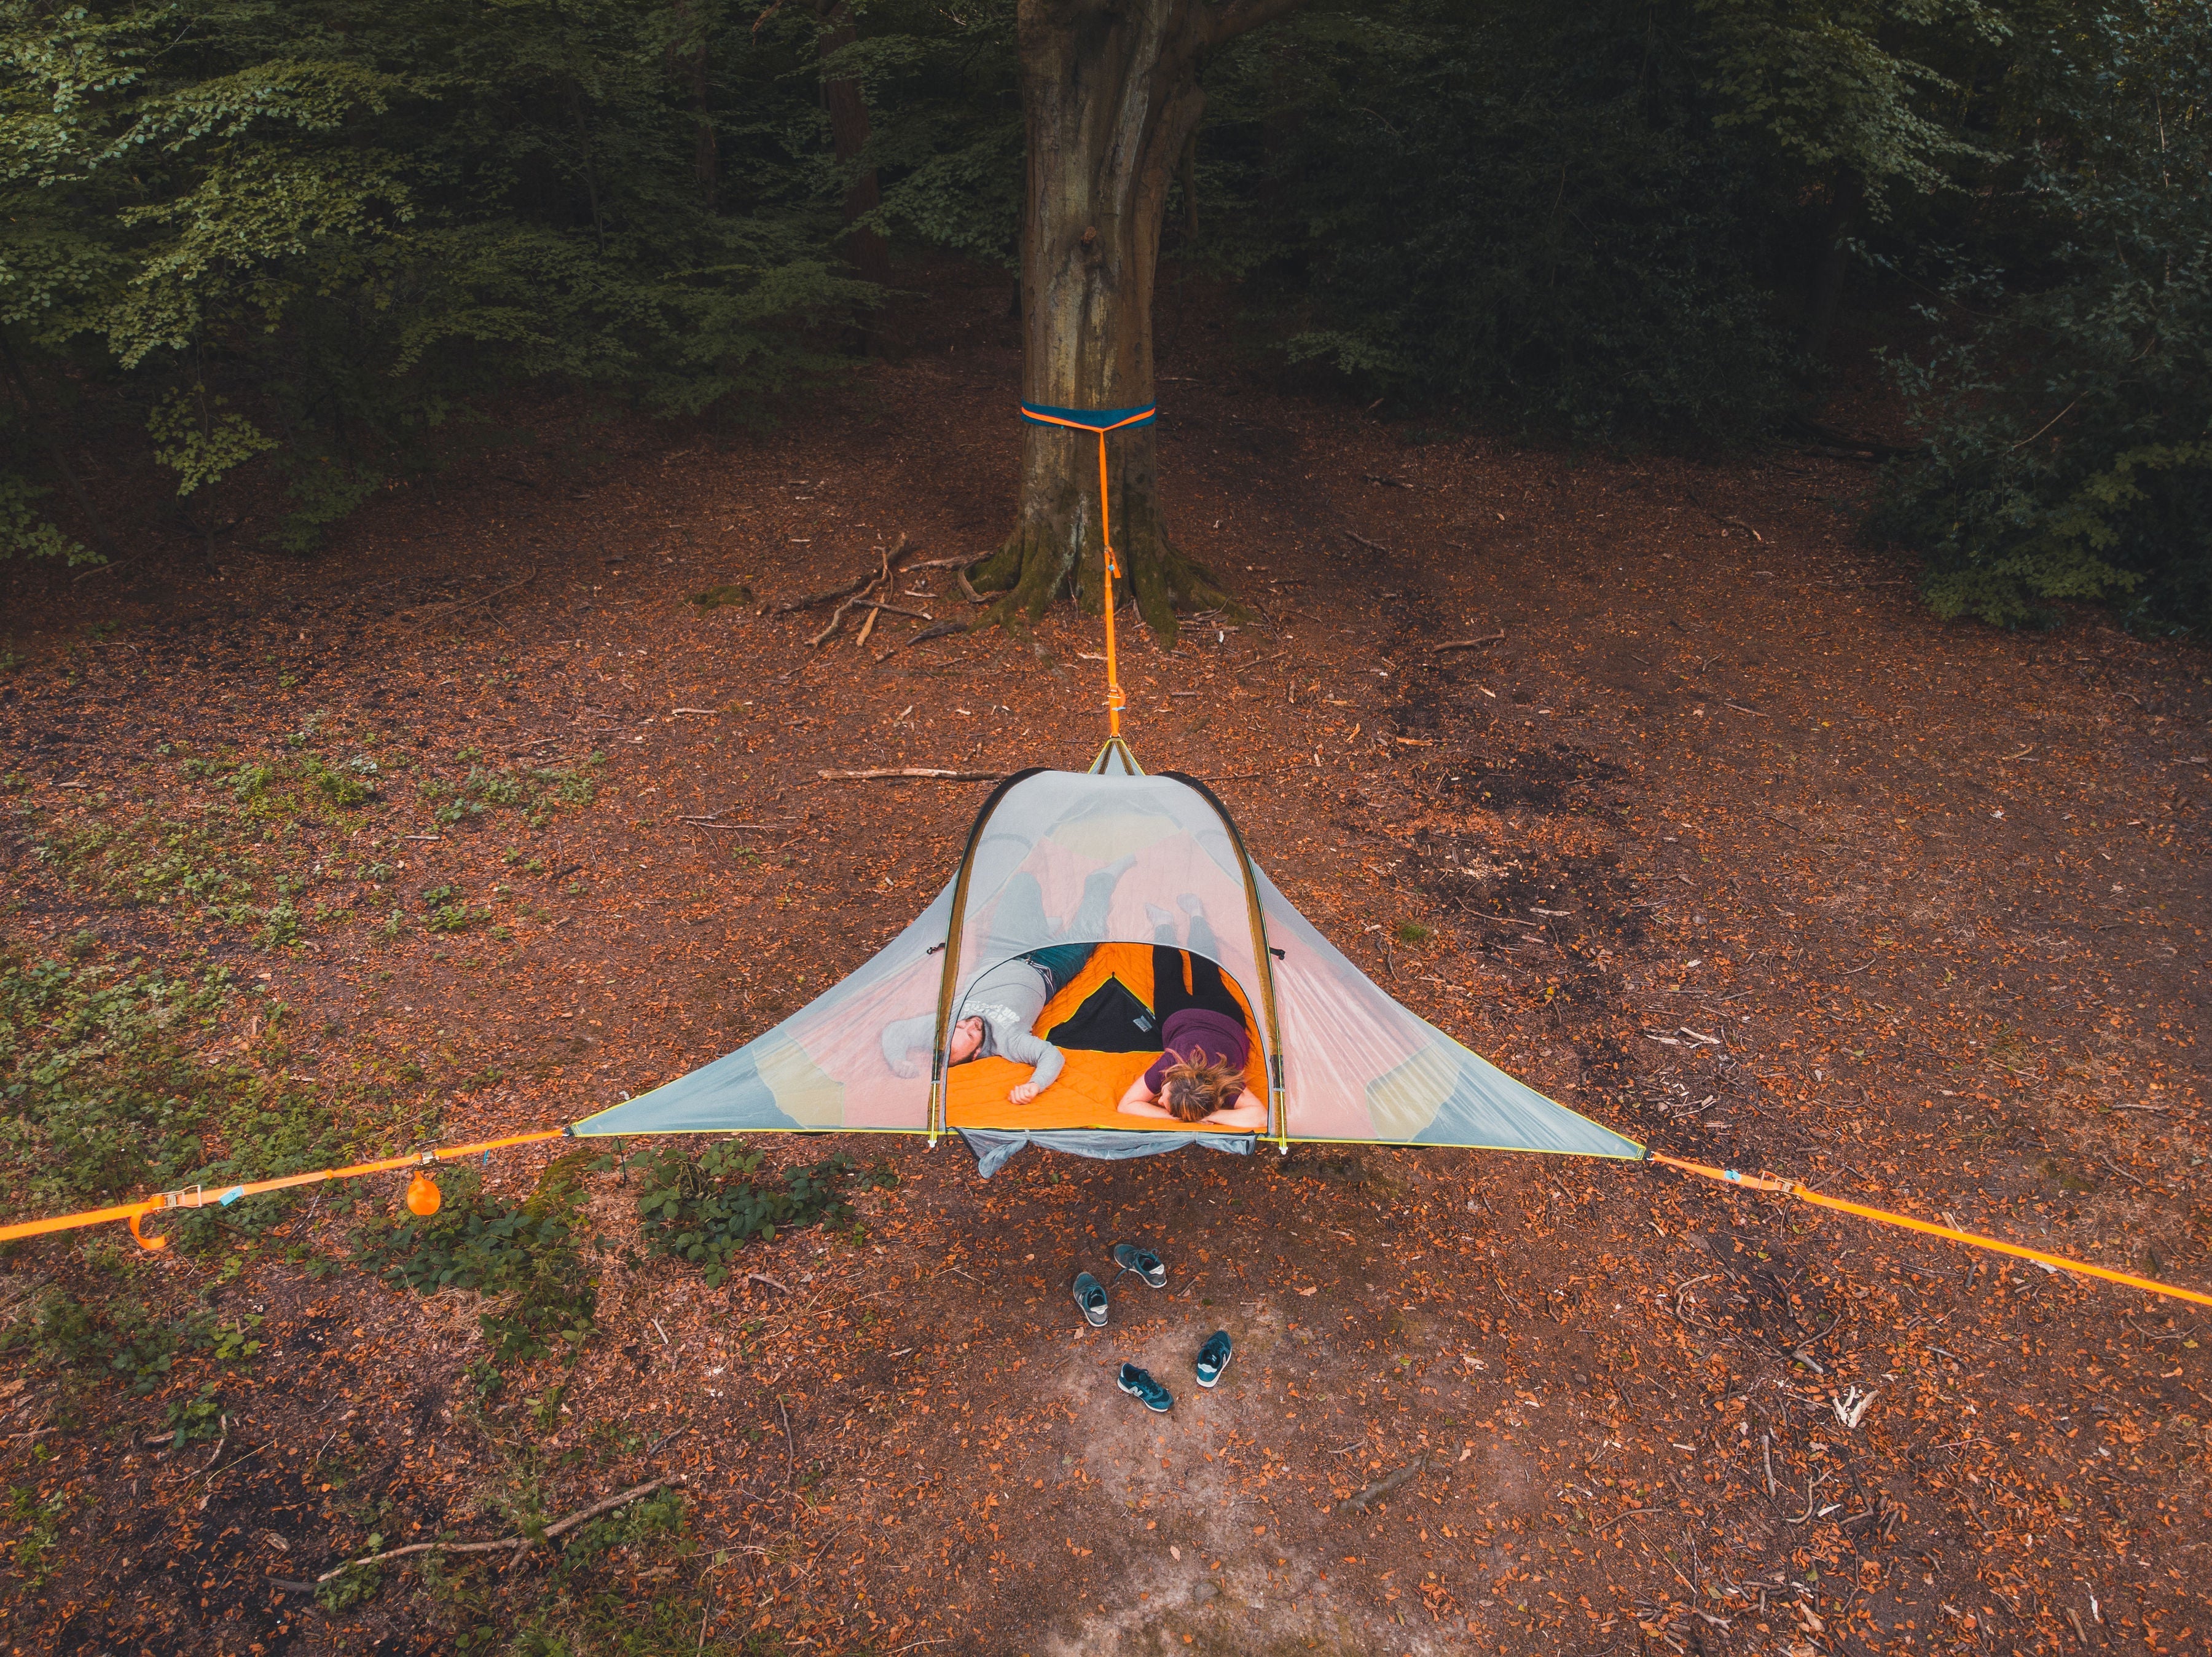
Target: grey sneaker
{"points": [[1140, 1385], [1213, 1357], [1142, 1262], [1091, 1295]]}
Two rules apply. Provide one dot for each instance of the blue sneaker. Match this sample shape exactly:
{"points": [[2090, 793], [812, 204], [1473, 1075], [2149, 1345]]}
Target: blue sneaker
{"points": [[1091, 1295], [1140, 1385], [1213, 1357], [1140, 1262]]}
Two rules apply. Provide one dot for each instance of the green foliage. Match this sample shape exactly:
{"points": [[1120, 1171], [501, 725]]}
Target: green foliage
{"points": [[537, 792], [581, 1604], [41, 1517], [2070, 419], [101, 1092], [306, 235], [24, 529], [704, 1207], [238, 863], [199, 444], [524, 1258], [102, 1095], [1848, 91], [198, 1417], [116, 1338]]}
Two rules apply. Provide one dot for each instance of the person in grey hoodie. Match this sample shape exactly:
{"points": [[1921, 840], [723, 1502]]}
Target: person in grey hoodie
{"points": [[997, 1014]]}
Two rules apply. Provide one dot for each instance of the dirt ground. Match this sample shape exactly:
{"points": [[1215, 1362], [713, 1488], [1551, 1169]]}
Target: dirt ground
{"points": [[1724, 843]]}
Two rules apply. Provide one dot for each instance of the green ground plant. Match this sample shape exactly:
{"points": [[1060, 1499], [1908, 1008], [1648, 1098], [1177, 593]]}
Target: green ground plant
{"points": [[526, 1258], [704, 1206], [240, 860], [41, 1517], [103, 1094]]}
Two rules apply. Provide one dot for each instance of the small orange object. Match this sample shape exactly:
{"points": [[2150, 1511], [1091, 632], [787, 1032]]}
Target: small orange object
{"points": [[151, 1245], [423, 1197]]}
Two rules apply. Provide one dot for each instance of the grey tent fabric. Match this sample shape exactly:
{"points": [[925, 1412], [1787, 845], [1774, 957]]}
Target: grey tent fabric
{"points": [[994, 1148]]}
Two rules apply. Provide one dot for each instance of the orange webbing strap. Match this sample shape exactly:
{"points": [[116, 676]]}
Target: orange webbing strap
{"points": [[1792, 1188], [196, 1197], [1100, 422]]}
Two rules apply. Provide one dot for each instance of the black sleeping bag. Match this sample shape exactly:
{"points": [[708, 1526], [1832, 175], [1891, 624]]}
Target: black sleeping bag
{"points": [[1110, 1021]]}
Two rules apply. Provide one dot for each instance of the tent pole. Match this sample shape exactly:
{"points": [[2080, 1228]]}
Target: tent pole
{"points": [[951, 979], [1278, 1105]]}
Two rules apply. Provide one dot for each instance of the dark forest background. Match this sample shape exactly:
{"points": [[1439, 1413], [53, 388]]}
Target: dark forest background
{"points": [[320, 237]]}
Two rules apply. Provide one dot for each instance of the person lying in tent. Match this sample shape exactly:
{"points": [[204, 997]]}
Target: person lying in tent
{"points": [[1003, 1004], [1200, 1074]]}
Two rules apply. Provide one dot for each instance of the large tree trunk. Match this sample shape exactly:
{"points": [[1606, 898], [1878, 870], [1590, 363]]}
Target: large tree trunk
{"points": [[1845, 196], [848, 137], [1111, 99]]}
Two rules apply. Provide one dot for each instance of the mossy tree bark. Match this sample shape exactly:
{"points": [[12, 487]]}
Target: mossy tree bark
{"points": [[1111, 99]]}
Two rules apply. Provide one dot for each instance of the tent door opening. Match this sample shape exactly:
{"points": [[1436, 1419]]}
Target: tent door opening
{"points": [[1105, 1021]]}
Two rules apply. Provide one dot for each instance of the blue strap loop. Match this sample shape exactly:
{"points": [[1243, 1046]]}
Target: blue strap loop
{"points": [[1090, 419]]}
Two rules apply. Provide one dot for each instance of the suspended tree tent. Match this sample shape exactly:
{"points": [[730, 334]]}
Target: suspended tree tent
{"points": [[1130, 863], [1124, 861]]}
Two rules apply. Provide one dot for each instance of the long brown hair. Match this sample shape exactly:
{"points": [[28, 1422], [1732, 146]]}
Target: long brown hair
{"points": [[1193, 1092]]}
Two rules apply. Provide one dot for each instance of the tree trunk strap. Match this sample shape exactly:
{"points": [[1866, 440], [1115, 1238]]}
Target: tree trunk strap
{"points": [[1101, 421]]}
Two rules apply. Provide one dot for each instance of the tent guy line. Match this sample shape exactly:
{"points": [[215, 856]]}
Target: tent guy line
{"points": [[194, 1197], [1950, 1233]]}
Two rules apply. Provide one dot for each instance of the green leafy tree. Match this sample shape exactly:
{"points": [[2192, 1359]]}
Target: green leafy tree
{"points": [[315, 231], [2070, 424]]}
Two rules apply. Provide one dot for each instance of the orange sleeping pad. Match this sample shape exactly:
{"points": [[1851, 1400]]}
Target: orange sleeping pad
{"points": [[1090, 1084]]}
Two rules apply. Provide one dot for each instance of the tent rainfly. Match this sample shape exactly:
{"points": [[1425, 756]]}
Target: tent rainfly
{"points": [[1126, 861]]}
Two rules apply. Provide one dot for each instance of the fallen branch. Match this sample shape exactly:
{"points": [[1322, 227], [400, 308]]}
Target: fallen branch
{"points": [[910, 771], [510, 1543], [944, 628], [836, 620], [1372, 546], [827, 595], [1467, 643], [446, 612], [887, 577], [830, 595], [1386, 1485]]}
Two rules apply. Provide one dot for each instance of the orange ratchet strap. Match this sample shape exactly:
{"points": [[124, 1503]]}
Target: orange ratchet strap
{"points": [[2059, 1262], [197, 1196], [1101, 421]]}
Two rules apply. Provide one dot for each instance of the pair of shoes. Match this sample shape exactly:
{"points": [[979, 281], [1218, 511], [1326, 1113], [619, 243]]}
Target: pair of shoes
{"points": [[1091, 1293], [1212, 1359]]}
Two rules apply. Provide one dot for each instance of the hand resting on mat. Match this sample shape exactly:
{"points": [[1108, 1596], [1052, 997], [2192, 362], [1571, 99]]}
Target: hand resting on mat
{"points": [[1195, 1094]]}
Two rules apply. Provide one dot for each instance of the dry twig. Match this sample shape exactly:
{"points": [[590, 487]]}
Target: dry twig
{"points": [[910, 771], [512, 1544], [1384, 1486], [438, 612]]}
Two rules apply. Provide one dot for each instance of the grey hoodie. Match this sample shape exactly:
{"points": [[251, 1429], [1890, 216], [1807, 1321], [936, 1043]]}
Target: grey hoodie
{"points": [[1008, 999]]}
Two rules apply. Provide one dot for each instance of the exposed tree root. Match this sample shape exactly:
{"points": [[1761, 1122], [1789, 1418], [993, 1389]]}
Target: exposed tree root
{"points": [[1034, 565]]}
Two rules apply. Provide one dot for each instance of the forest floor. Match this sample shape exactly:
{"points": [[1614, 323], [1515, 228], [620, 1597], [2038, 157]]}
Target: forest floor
{"points": [[1725, 843]]}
